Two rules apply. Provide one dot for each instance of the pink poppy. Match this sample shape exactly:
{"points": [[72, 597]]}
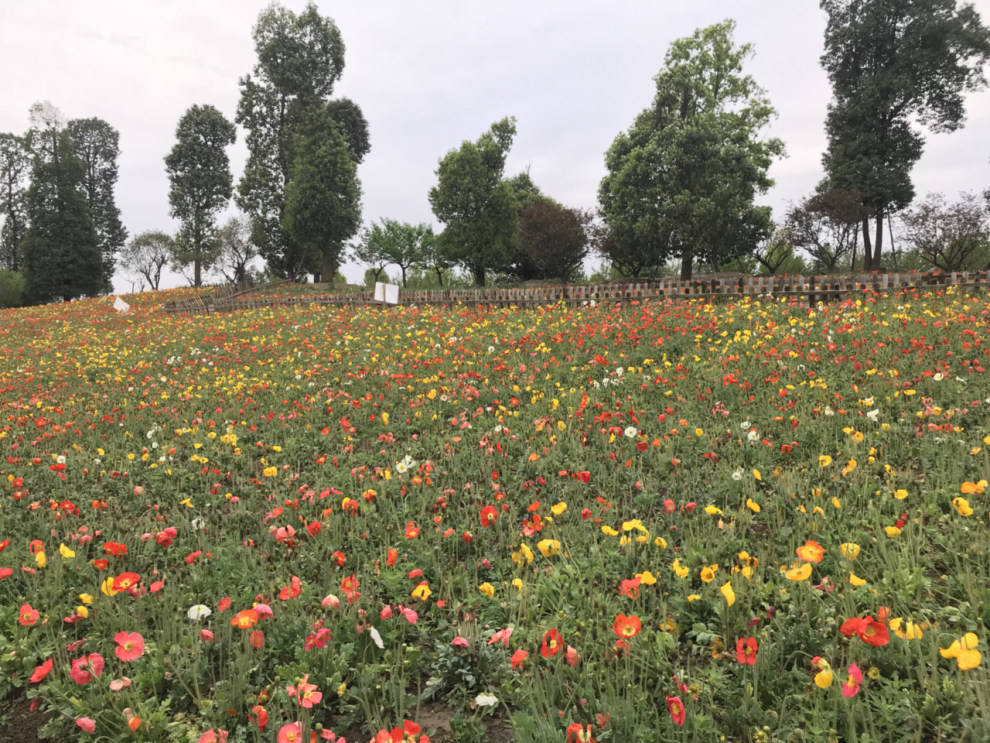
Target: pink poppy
{"points": [[83, 669], [86, 725], [851, 686], [130, 646]]}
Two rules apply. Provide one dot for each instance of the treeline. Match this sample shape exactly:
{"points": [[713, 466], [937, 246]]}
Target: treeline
{"points": [[680, 191]]}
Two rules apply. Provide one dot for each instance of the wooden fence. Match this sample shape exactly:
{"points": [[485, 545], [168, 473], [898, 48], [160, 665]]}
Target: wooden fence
{"points": [[810, 290]]}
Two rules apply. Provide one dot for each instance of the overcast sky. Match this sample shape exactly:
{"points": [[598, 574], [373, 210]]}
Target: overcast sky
{"points": [[429, 75]]}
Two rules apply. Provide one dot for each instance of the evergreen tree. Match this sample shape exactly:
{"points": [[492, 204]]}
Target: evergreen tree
{"points": [[300, 58], [61, 253], [15, 164], [98, 145]]}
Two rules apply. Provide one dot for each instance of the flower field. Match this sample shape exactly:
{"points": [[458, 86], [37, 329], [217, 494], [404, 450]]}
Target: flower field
{"points": [[655, 522]]}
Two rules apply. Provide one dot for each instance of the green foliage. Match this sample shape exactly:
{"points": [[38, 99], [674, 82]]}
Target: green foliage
{"points": [[236, 250], [475, 204], [895, 66], [682, 180], [98, 145], [62, 259], [323, 199], [15, 163], [395, 243], [11, 288], [949, 237], [147, 254], [201, 184], [300, 59], [553, 238]]}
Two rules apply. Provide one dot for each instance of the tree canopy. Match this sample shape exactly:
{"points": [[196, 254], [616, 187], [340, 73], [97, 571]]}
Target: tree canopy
{"points": [[896, 67], [62, 258], [682, 180], [323, 199], [98, 146], [199, 171], [300, 59], [475, 204]]}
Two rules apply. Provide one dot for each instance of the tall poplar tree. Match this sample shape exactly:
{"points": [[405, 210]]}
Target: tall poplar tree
{"points": [[300, 59], [61, 254], [97, 144], [15, 164]]}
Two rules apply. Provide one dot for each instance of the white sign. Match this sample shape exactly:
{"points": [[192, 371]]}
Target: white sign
{"points": [[387, 293], [120, 305]]}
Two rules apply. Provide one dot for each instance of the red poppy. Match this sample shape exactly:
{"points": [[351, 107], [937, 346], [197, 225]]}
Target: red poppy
{"points": [[257, 639], [27, 616], [115, 549], [578, 734], [676, 709], [259, 716], [551, 644], [407, 733], [412, 531], [41, 671], [746, 648], [518, 658], [488, 516], [627, 627], [874, 633], [630, 588], [125, 580], [867, 629]]}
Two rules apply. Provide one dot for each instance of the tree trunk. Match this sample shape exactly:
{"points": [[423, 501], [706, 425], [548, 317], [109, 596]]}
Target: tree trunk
{"points": [[403, 269], [867, 246], [197, 273], [479, 275], [878, 243], [686, 263], [439, 272], [328, 268]]}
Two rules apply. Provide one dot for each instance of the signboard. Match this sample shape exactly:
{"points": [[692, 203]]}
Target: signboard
{"points": [[386, 293]]}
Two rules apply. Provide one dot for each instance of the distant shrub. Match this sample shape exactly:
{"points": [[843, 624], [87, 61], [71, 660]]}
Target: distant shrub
{"points": [[11, 288]]}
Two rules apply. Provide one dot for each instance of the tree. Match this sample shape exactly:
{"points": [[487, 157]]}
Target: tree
{"points": [[682, 180], [524, 193], [97, 144], [199, 171], [950, 237], [236, 250], [896, 66], [432, 259], [300, 59], [476, 206], [826, 225], [323, 199], [61, 255], [15, 163], [554, 238], [394, 242], [776, 253], [146, 255]]}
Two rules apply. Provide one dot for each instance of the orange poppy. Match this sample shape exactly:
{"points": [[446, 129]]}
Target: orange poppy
{"points": [[811, 551], [626, 627]]}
